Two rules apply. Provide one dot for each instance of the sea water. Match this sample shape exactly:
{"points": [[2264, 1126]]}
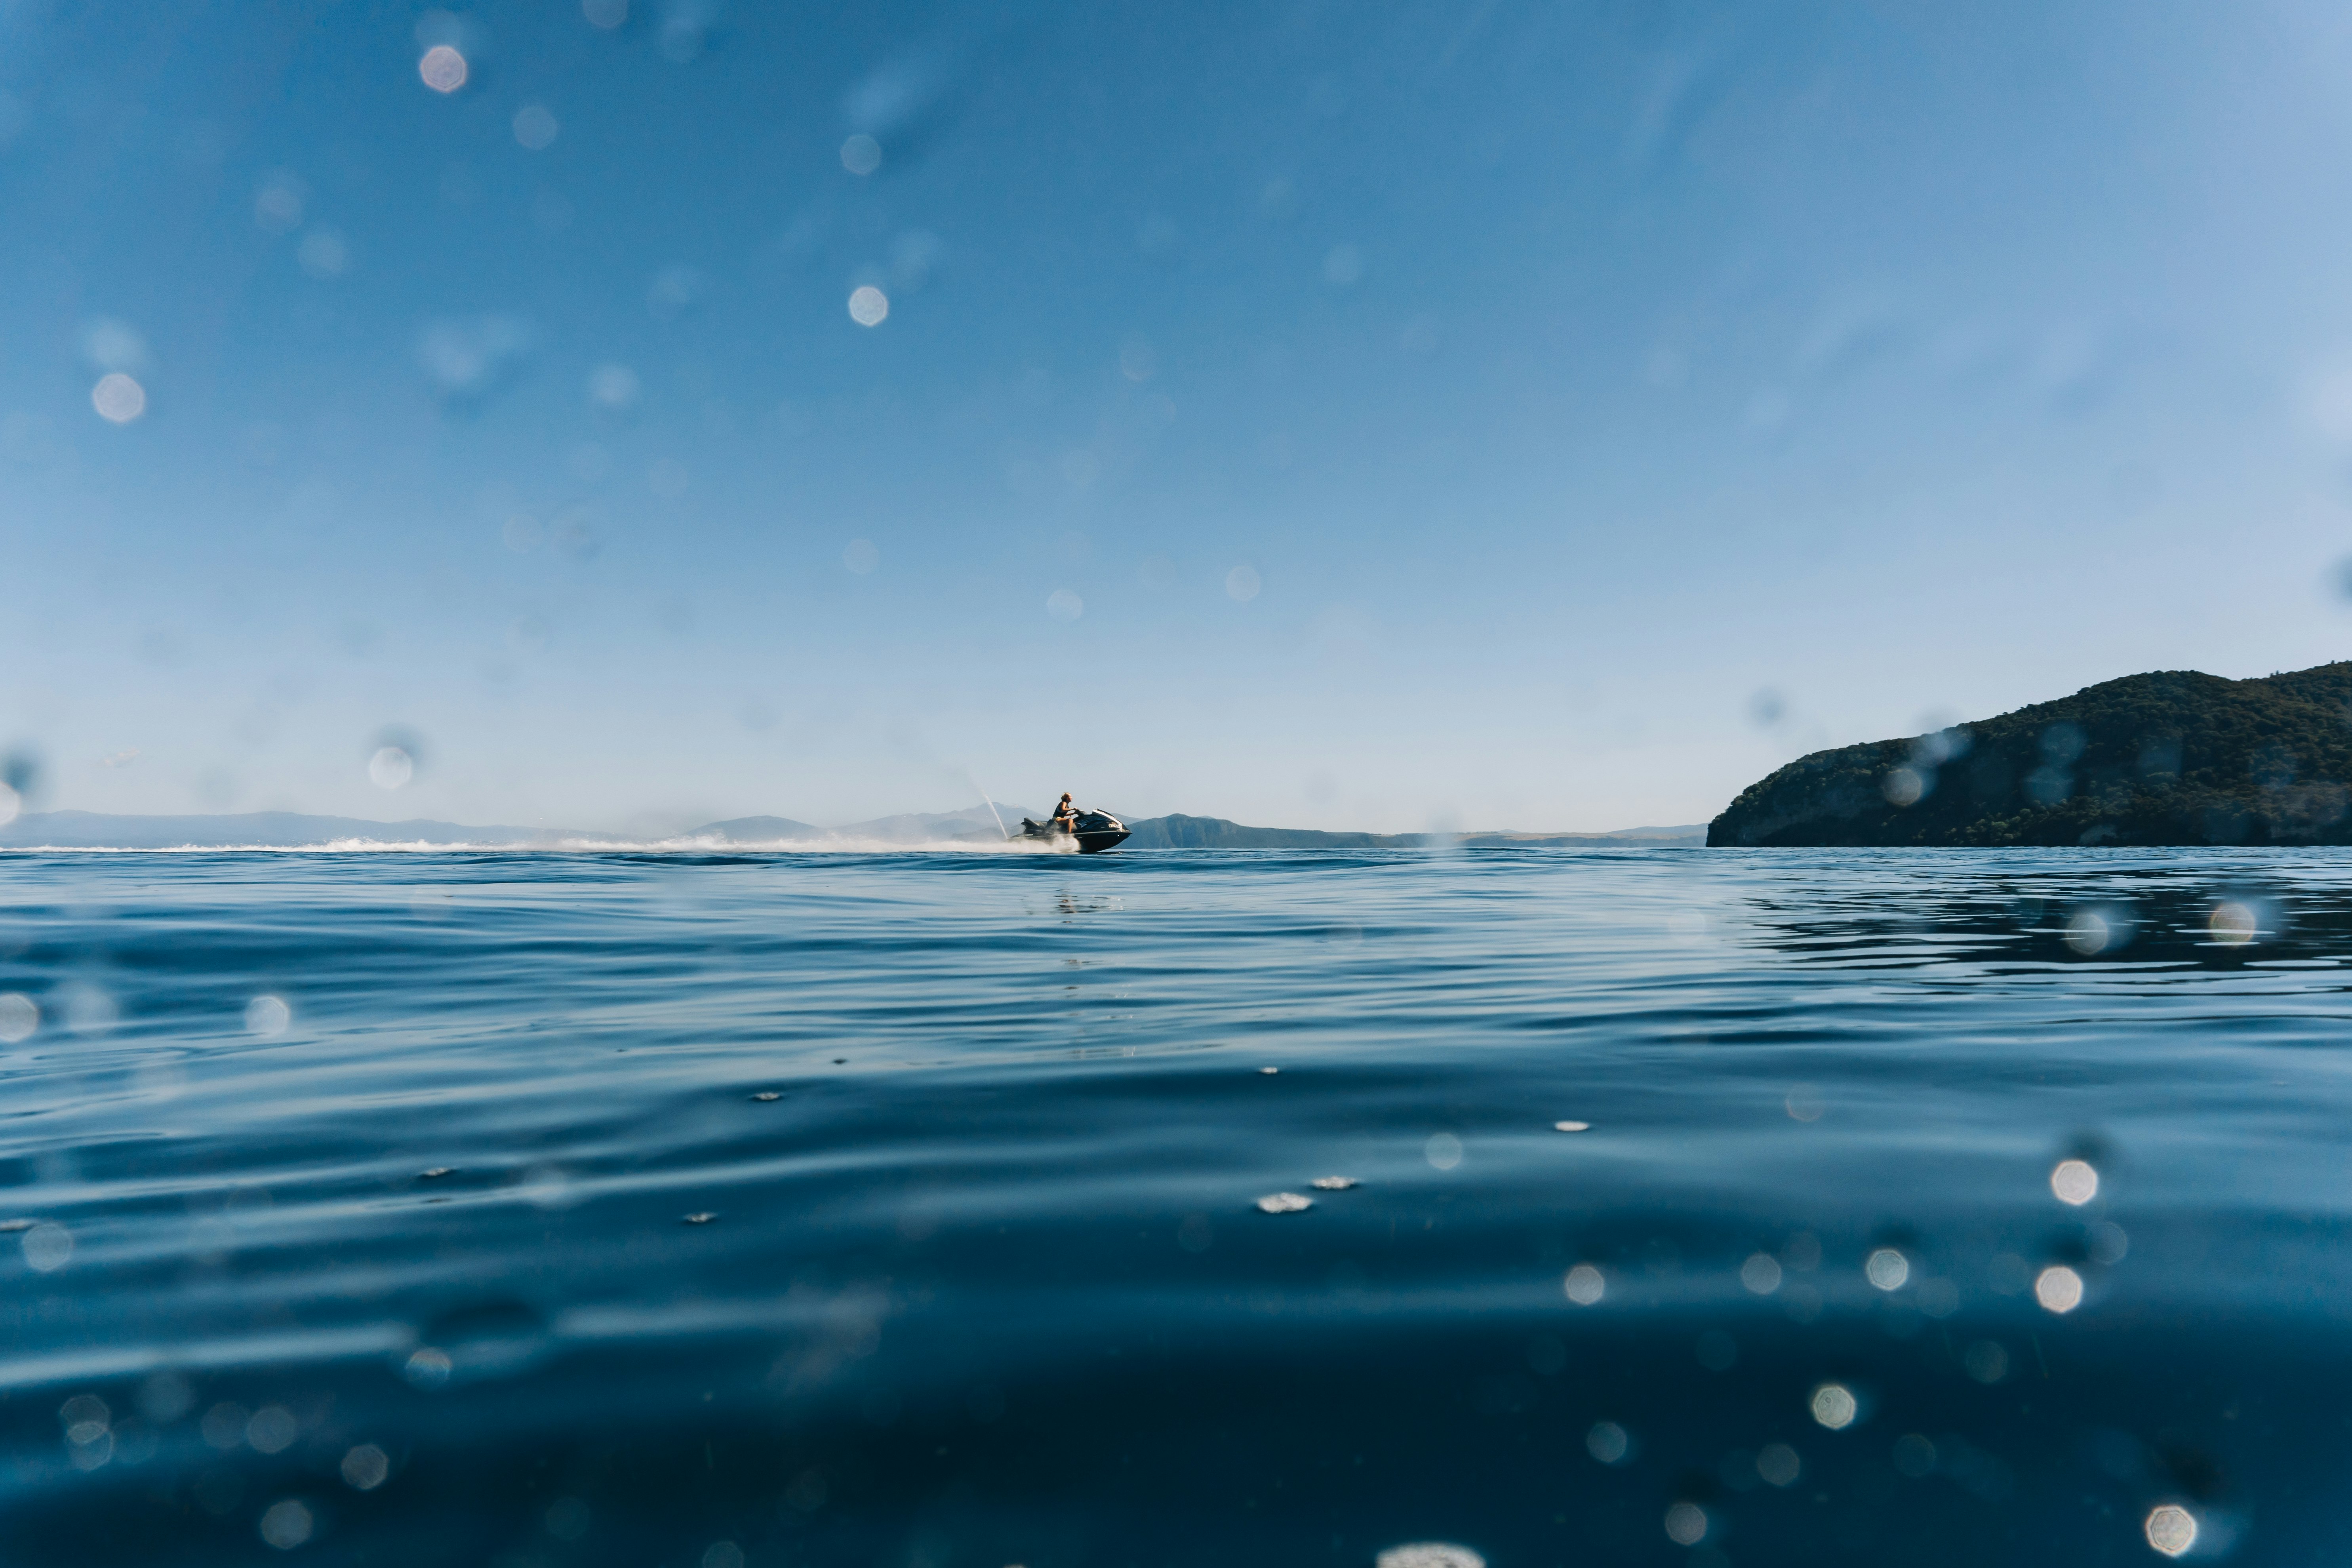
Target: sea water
{"points": [[929, 1210]]}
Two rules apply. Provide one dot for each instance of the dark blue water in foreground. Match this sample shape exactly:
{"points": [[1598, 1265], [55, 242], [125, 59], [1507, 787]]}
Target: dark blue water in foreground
{"points": [[535, 1209]]}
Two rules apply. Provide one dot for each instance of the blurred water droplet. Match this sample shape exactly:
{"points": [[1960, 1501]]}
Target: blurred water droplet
{"points": [[2171, 1530], [442, 68], [267, 1016], [20, 1014], [1985, 1361], [1887, 1268], [1584, 1285], [1760, 1274], [1429, 1554], [1833, 1405], [427, 1368], [1242, 584], [272, 1429], [535, 127], [861, 557], [1777, 1464], [868, 306], [365, 1467], [1685, 1524], [2059, 1289], [2074, 1182], [391, 767], [1607, 1442], [118, 398], [861, 154], [286, 1525]]}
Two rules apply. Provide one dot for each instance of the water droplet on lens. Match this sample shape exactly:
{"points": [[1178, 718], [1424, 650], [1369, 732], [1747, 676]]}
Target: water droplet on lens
{"points": [[1760, 1274], [2059, 1289], [267, 1016], [2171, 1530], [1429, 1554], [1777, 1465], [2074, 1182], [1833, 1405], [442, 68], [1685, 1524], [1607, 1442], [47, 1247], [1584, 1285], [365, 1467], [1986, 1360], [1443, 1150], [286, 1525], [1887, 1268]]}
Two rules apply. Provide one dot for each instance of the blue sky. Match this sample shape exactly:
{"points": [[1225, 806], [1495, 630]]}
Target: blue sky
{"points": [[1489, 414]]}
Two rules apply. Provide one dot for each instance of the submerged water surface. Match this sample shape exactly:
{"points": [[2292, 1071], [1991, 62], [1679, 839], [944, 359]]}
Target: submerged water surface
{"points": [[540, 1209]]}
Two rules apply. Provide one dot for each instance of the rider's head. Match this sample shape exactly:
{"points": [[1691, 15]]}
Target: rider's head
{"points": [[1065, 797]]}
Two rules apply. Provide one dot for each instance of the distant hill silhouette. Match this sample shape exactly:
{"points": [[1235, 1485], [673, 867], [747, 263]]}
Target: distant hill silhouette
{"points": [[2174, 757]]}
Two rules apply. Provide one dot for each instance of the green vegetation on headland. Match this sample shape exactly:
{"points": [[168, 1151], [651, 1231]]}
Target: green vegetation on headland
{"points": [[2174, 757]]}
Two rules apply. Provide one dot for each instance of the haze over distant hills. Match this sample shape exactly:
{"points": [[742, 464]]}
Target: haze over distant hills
{"points": [[976, 825]]}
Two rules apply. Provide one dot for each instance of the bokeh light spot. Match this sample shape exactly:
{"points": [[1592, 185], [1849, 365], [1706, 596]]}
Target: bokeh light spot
{"points": [[535, 127], [1584, 1285], [391, 767], [868, 306], [2074, 1182], [267, 1016], [1777, 1465], [286, 1525], [861, 154], [2171, 1529], [1443, 1150], [1242, 584], [365, 1467], [442, 68], [47, 1247], [1065, 606], [1760, 1274], [1887, 1268], [1834, 1406], [2088, 933], [2059, 1289], [1685, 1524], [20, 1014], [860, 556], [1986, 1360], [1429, 1554], [118, 398], [2232, 924], [1607, 1442]]}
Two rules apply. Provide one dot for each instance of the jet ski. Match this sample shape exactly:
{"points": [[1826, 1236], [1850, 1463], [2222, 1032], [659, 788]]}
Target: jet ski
{"points": [[1096, 831]]}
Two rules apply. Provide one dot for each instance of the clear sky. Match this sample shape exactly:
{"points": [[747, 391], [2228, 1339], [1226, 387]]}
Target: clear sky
{"points": [[1498, 415]]}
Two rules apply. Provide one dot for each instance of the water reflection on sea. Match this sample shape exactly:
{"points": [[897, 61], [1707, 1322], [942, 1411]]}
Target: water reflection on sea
{"points": [[1534, 1207]]}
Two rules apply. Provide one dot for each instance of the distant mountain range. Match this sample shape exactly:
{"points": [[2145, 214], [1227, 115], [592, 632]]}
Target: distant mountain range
{"points": [[977, 825], [2175, 757]]}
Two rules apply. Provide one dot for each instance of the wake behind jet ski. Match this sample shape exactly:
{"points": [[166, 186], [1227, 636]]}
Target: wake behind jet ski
{"points": [[1095, 831]]}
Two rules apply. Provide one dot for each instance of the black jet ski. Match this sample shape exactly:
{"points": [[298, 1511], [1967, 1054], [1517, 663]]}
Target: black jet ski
{"points": [[1096, 831]]}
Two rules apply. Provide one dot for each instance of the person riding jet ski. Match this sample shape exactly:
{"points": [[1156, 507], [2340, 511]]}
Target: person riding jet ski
{"points": [[1095, 831]]}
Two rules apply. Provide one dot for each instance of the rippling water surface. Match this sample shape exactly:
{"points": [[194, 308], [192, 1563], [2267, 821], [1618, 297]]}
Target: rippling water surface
{"points": [[912, 1210]]}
